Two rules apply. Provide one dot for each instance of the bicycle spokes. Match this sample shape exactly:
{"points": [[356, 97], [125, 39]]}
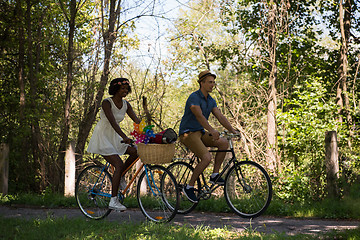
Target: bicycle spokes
{"points": [[93, 191], [151, 181], [157, 194], [242, 179], [248, 189]]}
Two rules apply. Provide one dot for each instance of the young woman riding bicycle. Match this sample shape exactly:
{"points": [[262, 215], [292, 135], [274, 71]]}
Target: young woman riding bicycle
{"points": [[110, 141]]}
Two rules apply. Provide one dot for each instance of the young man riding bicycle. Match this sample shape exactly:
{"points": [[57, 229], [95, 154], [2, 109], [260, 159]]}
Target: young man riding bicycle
{"points": [[197, 134]]}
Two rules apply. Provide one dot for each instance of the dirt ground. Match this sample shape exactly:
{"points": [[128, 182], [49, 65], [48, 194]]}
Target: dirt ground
{"points": [[264, 224]]}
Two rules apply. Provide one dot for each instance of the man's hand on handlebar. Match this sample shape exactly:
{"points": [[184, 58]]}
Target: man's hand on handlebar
{"points": [[215, 135], [233, 134], [237, 133]]}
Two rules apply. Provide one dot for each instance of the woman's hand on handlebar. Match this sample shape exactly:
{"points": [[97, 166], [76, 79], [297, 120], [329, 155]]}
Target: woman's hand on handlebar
{"points": [[127, 140]]}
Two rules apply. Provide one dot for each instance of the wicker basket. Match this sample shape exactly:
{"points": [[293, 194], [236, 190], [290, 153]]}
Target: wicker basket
{"points": [[156, 153]]}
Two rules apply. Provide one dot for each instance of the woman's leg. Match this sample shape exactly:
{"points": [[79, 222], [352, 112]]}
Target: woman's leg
{"points": [[120, 167], [132, 152], [116, 161]]}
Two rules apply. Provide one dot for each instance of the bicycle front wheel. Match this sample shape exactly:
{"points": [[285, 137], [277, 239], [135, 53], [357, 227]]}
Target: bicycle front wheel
{"points": [[156, 191], [182, 172], [93, 192], [248, 189]]}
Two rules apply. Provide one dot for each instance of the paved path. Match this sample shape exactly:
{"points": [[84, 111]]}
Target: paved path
{"points": [[261, 224]]}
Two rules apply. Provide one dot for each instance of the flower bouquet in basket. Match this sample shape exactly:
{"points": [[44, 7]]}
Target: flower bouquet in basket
{"points": [[154, 148]]}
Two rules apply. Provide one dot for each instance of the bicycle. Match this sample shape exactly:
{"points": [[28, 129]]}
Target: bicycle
{"points": [[156, 191], [247, 188]]}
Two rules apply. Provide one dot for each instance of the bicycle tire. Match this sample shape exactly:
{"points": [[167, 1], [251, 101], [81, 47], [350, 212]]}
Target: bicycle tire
{"points": [[93, 192], [248, 189], [156, 191], [182, 172]]}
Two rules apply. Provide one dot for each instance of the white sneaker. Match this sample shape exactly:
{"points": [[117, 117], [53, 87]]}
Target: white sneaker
{"points": [[123, 183], [116, 205]]}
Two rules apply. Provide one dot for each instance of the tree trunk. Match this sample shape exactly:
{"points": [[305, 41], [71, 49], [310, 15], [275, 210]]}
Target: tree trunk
{"points": [[146, 110], [69, 80], [37, 146], [342, 92], [109, 37], [21, 79], [271, 108], [4, 168], [332, 163], [21, 64], [69, 183]]}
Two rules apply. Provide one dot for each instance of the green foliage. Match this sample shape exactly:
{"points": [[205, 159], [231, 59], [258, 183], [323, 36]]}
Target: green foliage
{"points": [[307, 62], [34, 130], [292, 186], [230, 37], [303, 121], [216, 204]]}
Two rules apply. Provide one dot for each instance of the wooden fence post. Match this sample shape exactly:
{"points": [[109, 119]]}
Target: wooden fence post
{"points": [[70, 171], [4, 168], [332, 163]]}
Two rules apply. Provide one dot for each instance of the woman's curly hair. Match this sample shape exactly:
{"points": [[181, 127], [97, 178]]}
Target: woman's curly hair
{"points": [[117, 83]]}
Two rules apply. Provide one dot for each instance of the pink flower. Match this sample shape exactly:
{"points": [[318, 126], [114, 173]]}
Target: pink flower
{"points": [[123, 82]]}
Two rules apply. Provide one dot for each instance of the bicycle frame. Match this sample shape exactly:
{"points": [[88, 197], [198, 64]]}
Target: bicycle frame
{"points": [[92, 190], [149, 178], [156, 191], [247, 185], [214, 186]]}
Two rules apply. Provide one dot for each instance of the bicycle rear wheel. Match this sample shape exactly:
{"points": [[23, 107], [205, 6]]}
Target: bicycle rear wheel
{"points": [[248, 189], [182, 172], [93, 192], [156, 191]]}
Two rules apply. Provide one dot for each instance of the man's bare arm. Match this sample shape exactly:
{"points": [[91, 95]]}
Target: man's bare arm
{"points": [[223, 120], [196, 110]]}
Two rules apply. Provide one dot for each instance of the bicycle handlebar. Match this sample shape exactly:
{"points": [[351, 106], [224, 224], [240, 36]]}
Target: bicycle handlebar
{"points": [[230, 135]]}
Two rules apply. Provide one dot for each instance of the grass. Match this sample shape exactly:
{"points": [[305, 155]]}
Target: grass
{"points": [[346, 208], [63, 228]]}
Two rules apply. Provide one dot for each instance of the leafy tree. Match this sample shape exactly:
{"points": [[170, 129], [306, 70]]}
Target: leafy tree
{"points": [[307, 117]]}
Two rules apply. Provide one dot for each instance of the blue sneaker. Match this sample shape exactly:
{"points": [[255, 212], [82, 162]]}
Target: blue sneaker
{"points": [[190, 194], [218, 180]]}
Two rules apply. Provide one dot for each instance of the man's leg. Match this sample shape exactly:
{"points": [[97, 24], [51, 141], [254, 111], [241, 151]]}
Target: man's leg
{"points": [[193, 141], [221, 144], [204, 162]]}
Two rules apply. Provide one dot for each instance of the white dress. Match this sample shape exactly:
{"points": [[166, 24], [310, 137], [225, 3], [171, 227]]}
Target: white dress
{"points": [[105, 140]]}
